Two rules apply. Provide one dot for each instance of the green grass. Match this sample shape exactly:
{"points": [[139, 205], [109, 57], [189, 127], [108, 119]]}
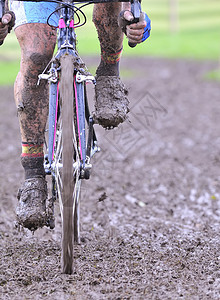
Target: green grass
{"points": [[8, 72], [196, 36], [214, 75]]}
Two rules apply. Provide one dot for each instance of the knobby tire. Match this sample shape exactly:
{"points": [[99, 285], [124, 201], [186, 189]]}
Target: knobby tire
{"points": [[68, 152]]}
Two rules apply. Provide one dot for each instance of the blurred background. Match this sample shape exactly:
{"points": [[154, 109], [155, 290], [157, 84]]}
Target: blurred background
{"points": [[180, 29]]}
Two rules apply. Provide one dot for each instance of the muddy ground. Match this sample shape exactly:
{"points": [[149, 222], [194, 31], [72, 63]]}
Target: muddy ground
{"points": [[156, 235]]}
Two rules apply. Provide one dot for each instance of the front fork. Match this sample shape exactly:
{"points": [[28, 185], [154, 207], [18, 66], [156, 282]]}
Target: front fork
{"points": [[66, 44]]}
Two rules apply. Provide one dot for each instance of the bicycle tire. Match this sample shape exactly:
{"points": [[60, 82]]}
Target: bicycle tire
{"points": [[68, 184]]}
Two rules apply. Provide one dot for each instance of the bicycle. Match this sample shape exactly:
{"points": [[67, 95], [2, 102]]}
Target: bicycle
{"points": [[70, 144]]}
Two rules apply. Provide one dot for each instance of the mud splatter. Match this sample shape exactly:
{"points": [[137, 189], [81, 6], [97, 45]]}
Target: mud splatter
{"points": [[32, 99], [105, 18], [111, 102], [31, 208]]}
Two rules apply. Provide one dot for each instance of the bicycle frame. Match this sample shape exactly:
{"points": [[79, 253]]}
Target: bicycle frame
{"points": [[66, 44]]}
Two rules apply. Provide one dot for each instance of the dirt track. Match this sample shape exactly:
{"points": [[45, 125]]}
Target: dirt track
{"points": [[156, 235]]}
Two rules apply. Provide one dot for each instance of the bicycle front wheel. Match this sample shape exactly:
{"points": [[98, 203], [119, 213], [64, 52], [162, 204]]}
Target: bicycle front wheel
{"points": [[68, 164]]}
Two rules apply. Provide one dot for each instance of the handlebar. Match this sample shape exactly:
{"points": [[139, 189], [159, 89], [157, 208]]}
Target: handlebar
{"points": [[135, 8]]}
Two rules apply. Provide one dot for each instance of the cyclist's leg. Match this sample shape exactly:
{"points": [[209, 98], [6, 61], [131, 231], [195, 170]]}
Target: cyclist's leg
{"points": [[37, 44], [105, 17], [37, 41], [111, 105]]}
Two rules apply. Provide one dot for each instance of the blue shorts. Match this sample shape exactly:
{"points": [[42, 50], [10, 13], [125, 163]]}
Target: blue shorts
{"points": [[34, 12]]}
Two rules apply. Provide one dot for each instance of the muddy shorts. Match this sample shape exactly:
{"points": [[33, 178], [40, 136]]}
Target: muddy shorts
{"points": [[34, 12]]}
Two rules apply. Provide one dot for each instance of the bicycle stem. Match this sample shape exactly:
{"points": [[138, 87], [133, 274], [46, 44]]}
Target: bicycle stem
{"points": [[67, 36]]}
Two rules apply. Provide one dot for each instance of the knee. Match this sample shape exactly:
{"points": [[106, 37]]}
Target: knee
{"points": [[106, 13], [35, 61], [32, 64], [37, 42]]}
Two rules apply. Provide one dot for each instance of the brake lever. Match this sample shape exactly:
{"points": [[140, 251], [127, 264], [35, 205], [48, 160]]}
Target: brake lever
{"points": [[136, 11]]}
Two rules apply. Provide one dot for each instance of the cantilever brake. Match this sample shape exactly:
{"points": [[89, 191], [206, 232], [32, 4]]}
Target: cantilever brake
{"points": [[81, 78]]}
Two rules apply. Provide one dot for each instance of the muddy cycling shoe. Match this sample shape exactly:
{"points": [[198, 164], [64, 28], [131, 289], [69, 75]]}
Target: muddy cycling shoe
{"points": [[31, 209], [111, 102]]}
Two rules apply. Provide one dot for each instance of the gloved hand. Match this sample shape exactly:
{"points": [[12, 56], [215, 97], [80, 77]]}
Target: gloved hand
{"points": [[136, 32], [6, 25]]}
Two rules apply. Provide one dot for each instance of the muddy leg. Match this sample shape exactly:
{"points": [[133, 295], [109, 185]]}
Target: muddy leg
{"points": [[37, 44], [111, 103], [105, 18]]}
